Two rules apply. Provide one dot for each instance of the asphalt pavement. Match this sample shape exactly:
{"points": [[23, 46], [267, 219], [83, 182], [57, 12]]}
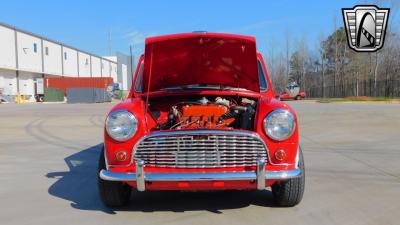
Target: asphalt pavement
{"points": [[49, 154]]}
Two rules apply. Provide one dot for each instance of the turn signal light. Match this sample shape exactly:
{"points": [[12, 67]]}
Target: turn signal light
{"points": [[121, 156], [280, 155]]}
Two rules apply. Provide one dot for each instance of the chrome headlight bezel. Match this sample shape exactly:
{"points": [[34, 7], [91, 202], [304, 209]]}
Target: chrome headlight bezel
{"points": [[284, 116], [121, 125]]}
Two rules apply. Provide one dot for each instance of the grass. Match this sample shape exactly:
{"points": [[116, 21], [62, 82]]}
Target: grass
{"points": [[358, 99]]}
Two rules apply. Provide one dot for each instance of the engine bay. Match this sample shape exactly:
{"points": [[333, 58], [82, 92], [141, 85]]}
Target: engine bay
{"points": [[203, 112]]}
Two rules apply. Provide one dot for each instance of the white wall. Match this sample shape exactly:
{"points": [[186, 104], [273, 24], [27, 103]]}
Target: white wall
{"points": [[30, 64], [28, 59], [52, 60], [8, 82], [70, 62], [26, 83], [96, 67], [113, 72], [112, 68], [105, 68], [84, 65], [124, 73], [7, 48]]}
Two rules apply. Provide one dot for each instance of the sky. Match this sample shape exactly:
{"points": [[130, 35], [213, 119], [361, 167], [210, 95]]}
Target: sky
{"points": [[100, 26]]}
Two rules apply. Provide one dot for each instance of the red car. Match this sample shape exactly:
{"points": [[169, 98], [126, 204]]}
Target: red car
{"points": [[292, 92], [287, 96], [201, 115]]}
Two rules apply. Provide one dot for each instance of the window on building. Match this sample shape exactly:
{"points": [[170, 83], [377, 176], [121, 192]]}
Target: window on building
{"points": [[46, 50], [65, 56], [102, 65], [34, 47], [86, 62]]}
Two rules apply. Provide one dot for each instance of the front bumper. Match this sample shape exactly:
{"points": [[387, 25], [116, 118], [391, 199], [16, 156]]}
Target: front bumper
{"points": [[260, 175]]}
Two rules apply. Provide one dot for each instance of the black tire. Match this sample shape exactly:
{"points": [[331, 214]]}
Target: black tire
{"points": [[298, 97], [290, 192], [112, 193]]}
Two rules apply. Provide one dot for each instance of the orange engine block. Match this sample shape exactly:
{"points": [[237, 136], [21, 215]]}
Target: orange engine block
{"points": [[204, 116]]}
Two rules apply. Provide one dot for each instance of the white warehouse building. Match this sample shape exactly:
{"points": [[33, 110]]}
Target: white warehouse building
{"points": [[25, 56]]}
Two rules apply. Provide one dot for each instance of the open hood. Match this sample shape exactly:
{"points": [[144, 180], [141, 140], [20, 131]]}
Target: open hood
{"points": [[200, 58]]}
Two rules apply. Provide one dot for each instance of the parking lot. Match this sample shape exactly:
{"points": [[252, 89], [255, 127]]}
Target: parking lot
{"points": [[49, 153]]}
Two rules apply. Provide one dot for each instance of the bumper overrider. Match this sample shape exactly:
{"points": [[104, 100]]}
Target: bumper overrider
{"points": [[261, 175]]}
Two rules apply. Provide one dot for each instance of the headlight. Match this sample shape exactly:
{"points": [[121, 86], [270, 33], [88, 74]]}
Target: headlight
{"points": [[279, 124], [121, 125]]}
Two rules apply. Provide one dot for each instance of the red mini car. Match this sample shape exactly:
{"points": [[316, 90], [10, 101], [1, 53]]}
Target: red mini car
{"points": [[288, 96], [292, 92], [201, 115]]}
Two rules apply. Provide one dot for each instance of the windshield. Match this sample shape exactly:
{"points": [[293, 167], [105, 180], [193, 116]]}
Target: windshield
{"points": [[261, 75]]}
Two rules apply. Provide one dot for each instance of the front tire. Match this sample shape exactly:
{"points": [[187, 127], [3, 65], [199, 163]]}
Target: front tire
{"points": [[290, 192], [112, 193], [298, 97]]}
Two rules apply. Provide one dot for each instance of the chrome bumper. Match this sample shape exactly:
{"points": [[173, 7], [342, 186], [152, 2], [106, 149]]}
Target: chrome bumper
{"points": [[141, 177]]}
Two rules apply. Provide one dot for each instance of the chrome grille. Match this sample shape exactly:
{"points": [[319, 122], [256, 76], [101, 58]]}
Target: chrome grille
{"points": [[191, 149]]}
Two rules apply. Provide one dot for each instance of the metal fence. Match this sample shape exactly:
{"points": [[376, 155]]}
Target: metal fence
{"points": [[389, 88], [87, 95]]}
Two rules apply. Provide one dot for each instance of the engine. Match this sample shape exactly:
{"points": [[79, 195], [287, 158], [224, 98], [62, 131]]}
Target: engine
{"points": [[222, 112]]}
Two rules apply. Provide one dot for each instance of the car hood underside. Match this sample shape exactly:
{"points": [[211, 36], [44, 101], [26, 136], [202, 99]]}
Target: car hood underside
{"points": [[200, 59]]}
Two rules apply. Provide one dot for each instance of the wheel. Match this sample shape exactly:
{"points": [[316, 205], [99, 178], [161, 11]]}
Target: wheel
{"points": [[290, 192], [298, 97], [112, 193]]}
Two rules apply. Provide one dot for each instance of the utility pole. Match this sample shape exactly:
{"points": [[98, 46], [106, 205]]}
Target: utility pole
{"points": [[271, 59], [323, 72], [336, 56], [131, 52], [323, 56], [109, 42], [287, 56], [375, 71]]}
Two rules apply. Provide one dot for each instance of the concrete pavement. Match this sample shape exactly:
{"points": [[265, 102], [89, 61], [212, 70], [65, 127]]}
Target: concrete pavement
{"points": [[49, 153]]}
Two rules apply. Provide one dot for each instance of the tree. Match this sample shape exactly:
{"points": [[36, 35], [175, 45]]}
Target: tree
{"points": [[300, 63], [332, 69]]}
